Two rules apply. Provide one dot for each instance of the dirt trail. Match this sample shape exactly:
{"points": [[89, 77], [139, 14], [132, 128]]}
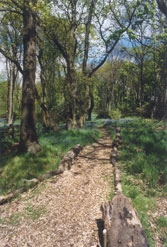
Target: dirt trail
{"points": [[63, 211]]}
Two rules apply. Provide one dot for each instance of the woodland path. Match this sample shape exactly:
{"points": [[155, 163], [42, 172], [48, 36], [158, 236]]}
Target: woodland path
{"points": [[63, 211]]}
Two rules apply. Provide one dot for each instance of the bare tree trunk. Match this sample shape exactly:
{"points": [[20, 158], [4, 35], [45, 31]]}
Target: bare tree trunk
{"points": [[91, 106], [12, 76], [72, 90], [162, 6], [28, 135]]}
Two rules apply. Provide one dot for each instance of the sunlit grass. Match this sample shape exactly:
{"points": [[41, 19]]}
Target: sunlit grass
{"points": [[162, 221]]}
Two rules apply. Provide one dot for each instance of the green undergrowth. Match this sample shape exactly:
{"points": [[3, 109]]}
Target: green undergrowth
{"points": [[15, 167], [143, 162]]}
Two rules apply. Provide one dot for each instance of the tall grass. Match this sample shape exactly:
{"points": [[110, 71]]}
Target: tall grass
{"points": [[15, 167]]}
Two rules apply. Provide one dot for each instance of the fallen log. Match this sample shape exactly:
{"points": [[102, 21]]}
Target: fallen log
{"points": [[11, 195], [122, 225], [65, 164], [117, 179], [116, 141], [113, 160]]}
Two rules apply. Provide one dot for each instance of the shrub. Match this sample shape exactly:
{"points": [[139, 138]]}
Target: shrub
{"points": [[115, 114]]}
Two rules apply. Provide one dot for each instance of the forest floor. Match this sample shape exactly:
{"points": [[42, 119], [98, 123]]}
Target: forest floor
{"points": [[64, 211]]}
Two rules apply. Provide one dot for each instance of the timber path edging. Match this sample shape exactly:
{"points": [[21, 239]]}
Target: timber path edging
{"points": [[122, 226]]}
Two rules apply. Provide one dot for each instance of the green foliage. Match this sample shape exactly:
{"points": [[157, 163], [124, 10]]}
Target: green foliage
{"points": [[115, 114], [16, 167]]}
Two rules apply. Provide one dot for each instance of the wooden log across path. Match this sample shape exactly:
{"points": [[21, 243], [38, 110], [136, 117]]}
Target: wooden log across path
{"points": [[122, 226]]}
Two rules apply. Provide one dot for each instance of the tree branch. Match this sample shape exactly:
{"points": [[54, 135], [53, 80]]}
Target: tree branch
{"points": [[12, 60]]}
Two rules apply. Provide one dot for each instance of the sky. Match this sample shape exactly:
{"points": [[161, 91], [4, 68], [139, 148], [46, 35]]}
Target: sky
{"points": [[2, 69], [2, 64]]}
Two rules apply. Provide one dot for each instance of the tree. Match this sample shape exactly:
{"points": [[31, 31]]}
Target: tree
{"points": [[3, 98], [86, 33], [161, 111], [10, 43], [50, 97], [27, 14], [12, 73], [108, 80], [28, 135]]}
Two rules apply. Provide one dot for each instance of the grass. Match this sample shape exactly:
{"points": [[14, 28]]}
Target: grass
{"points": [[15, 167], [143, 160], [31, 212], [34, 213], [145, 151], [162, 221]]}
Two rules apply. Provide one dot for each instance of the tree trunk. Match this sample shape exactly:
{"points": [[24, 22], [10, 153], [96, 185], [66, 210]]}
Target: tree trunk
{"points": [[162, 5], [71, 122], [12, 75], [28, 135], [161, 107], [91, 106], [47, 118], [72, 104], [79, 102], [163, 95]]}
